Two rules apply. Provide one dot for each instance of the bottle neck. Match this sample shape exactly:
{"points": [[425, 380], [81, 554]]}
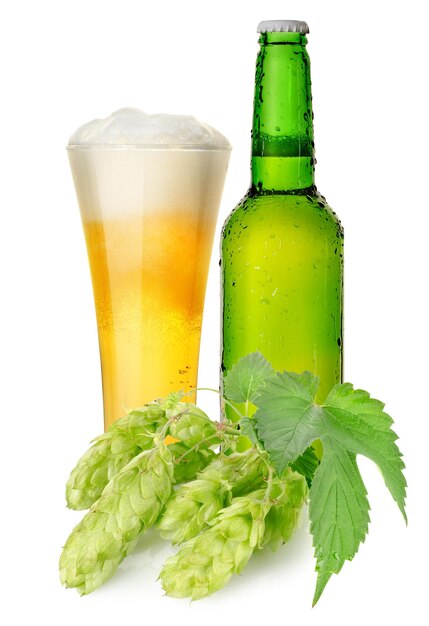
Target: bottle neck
{"points": [[282, 132]]}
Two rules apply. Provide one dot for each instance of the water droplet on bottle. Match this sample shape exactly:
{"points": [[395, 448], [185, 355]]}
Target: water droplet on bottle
{"points": [[264, 301]]}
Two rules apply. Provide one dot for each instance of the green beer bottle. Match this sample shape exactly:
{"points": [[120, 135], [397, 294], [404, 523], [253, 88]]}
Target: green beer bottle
{"points": [[282, 246]]}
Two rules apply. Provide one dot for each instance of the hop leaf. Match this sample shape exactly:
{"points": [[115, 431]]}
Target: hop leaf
{"points": [[349, 423], [287, 420], [246, 378], [306, 464], [358, 422], [340, 524]]}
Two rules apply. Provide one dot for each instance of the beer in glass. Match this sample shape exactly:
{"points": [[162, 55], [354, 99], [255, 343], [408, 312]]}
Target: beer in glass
{"points": [[149, 189]]}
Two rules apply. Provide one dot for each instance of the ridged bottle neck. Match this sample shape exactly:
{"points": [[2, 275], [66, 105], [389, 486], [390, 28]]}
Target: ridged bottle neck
{"points": [[282, 132]]}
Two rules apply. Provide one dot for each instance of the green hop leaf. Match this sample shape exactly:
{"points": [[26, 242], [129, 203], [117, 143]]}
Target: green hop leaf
{"points": [[338, 512], [306, 464], [358, 422], [246, 378], [349, 423], [287, 420]]}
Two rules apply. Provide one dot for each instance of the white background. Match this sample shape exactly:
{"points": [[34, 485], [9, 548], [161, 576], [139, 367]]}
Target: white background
{"points": [[66, 62]]}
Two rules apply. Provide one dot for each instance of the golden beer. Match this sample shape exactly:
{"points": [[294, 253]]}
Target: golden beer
{"points": [[149, 215]]}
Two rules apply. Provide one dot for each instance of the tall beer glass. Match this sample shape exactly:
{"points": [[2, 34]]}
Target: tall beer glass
{"points": [[149, 214]]}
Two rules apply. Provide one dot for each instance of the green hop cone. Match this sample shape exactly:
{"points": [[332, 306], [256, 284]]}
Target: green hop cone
{"points": [[187, 463], [129, 505], [283, 517], [205, 563], [194, 504], [195, 432], [191, 507], [192, 426], [111, 452]]}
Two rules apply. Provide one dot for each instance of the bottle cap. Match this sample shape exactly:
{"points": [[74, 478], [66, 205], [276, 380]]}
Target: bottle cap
{"points": [[283, 26]]}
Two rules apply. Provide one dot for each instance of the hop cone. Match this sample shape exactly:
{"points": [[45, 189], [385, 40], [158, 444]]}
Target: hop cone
{"points": [[187, 463], [192, 426], [129, 505], [205, 563], [283, 517], [110, 452], [194, 504]]}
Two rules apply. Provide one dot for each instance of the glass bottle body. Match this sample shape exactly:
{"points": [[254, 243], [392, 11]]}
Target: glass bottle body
{"points": [[282, 266]]}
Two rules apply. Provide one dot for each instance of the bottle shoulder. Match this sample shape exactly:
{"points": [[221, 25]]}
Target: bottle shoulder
{"points": [[283, 209]]}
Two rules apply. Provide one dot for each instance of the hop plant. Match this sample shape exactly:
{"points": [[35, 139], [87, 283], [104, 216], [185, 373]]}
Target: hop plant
{"points": [[205, 563], [110, 453], [194, 504], [241, 500], [129, 505]]}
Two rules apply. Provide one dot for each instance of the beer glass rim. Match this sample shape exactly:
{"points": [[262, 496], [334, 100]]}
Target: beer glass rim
{"points": [[149, 147]]}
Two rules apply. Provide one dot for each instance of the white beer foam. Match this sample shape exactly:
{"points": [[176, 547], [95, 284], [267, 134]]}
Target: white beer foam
{"points": [[132, 127]]}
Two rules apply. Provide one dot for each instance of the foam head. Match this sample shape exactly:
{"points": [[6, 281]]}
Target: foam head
{"points": [[132, 127], [132, 164]]}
